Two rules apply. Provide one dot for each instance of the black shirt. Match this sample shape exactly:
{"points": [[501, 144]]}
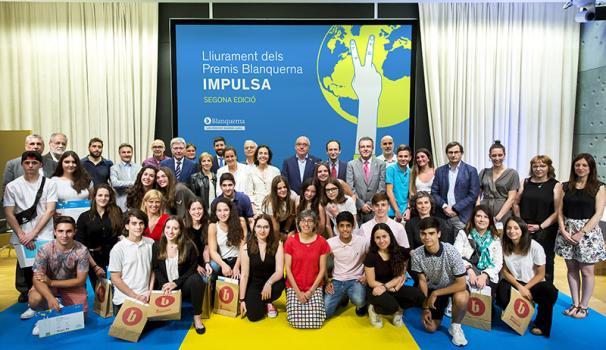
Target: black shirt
{"points": [[97, 234], [383, 270]]}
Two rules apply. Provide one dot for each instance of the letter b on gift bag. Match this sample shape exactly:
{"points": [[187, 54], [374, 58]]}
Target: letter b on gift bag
{"points": [[129, 321]]}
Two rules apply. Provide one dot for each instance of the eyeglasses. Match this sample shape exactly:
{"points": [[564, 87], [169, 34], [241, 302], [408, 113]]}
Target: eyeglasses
{"points": [[332, 189], [307, 221], [302, 144]]}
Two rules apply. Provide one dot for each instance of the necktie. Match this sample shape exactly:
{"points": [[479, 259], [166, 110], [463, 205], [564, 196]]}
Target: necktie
{"points": [[220, 162], [366, 171], [178, 170], [333, 171]]}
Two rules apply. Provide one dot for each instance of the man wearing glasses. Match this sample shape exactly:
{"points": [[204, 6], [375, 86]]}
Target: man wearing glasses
{"points": [[301, 166]]}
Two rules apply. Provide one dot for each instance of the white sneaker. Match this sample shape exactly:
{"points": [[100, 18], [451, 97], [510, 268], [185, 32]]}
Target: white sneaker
{"points": [[448, 310], [36, 330], [458, 337], [27, 314], [397, 319], [375, 319]]}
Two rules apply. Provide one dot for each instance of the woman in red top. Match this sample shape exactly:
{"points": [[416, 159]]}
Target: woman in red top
{"points": [[305, 259], [153, 205]]}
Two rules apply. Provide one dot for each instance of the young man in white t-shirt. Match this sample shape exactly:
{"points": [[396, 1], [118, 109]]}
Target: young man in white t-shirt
{"points": [[19, 196], [130, 262], [348, 278], [380, 206]]}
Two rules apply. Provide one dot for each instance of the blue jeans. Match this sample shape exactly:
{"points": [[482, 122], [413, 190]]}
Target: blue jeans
{"points": [[355, 290]]}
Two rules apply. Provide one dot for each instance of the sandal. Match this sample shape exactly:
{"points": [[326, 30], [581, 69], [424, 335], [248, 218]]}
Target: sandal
{"points": [[572, 310], [582, 312]]}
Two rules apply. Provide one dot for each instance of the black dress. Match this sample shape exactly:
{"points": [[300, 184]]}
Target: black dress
{"points": [[259, 272], [536, 205]]}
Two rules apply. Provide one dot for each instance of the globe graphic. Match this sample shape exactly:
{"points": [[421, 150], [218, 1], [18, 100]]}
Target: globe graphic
{"points": [[391, 57]]}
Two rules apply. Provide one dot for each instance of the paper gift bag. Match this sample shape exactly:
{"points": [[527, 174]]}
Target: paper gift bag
{"points": [[70, 318], [518, 312], [103, 298], [206, 302], [226, 297], [130, 321], [164, 307], [479, 309]]}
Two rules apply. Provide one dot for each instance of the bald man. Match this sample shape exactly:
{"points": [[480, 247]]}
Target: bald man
{"points": [[301, 166]]}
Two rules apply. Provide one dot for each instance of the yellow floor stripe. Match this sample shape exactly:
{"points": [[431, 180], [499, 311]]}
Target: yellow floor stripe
{"points": [[346, 331]]}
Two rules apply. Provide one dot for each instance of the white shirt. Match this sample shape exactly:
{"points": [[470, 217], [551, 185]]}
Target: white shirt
{"points": [[452, 180], [348, 257], [496, 254], [302, 164], [21, 194], [70, 202], [226, 251], [258, 185], [133, 261], [522, 266], [423, 186], [349, 205], [172, 267], [240, 176], [397, 229], [388, 162]]}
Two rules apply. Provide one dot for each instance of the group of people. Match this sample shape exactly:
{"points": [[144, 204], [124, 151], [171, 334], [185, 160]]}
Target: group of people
{"points": [[326, 232]]}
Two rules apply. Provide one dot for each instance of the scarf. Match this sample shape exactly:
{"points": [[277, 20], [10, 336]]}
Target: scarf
{"points": [[482, 244]]}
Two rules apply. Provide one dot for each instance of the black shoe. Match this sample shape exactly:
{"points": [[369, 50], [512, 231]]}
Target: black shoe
{"points": [[344, 302], [362, 311], [200, 330], [23, 298]]}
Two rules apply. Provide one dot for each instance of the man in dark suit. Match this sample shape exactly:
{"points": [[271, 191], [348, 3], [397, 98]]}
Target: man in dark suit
{"points": [[366, 177], [13, 168], [455, 188], [336, 167], [57, 145], [218, 161], [301, 166], [182, 167]]}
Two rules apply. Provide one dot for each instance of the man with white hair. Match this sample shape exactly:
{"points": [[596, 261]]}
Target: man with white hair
{"points": [[182, 167], [57, 145], [158, 156], [13, 168], [387, 146], [301, 166]]}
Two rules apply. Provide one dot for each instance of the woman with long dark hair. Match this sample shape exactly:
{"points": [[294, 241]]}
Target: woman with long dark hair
{"points": [[385, 269], [580, 241], [99, 229], [196, 229], [281, 205], [262, 279], [536, 205], [480, 247], [335, 201], [524, 269], [260, 178], [176, 194], [145, 181], [73, 186], [174, 264], [310, 199], [225, 236]]}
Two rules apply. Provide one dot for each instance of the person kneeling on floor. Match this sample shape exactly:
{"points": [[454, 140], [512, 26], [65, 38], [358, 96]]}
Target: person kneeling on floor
{"points": [[441, 275], [60, 271]]}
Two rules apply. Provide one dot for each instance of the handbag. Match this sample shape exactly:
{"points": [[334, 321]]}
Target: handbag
{"points": [[29, 214]]}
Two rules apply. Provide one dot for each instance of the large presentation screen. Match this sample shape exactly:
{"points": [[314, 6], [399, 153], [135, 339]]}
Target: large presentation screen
{"points": [[273, 81]]}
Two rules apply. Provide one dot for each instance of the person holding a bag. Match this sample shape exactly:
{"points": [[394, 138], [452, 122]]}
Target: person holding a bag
{"points": [[262, 279], [480, 246], [305, 255], [175, 260], [524, 270], [99, 229]]}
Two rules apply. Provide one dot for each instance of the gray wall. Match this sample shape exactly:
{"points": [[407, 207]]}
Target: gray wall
{"points": [[164, 124], [590, 123]]}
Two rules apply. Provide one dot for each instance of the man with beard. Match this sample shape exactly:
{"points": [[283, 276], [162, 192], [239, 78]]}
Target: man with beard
{"points": [[218, 161], [97, 167], [57, 145], [387, 146]]}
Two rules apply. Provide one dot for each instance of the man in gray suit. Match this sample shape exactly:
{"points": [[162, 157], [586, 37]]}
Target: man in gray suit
{"points": [[123, 174], [13, 168], [57, 145], [365, 177]]}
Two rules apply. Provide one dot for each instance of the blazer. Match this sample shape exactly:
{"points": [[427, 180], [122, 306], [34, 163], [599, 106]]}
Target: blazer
{"points": [[290, 170], [49, 164], [342, 172], [186, 269], [215, 165], [467, 189], [13, 170], [187, 169], [356, 181]]}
